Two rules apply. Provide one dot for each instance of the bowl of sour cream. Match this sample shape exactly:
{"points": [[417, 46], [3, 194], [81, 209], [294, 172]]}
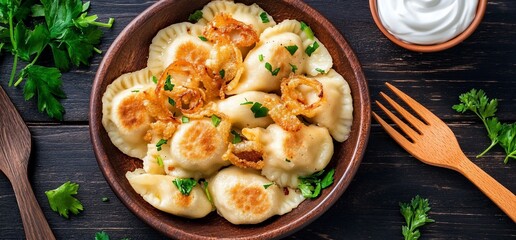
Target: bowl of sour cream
{"points": [[427, 25]]}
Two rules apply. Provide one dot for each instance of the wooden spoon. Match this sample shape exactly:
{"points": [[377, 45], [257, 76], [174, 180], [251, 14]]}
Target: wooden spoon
{"points": [[15, 146]]}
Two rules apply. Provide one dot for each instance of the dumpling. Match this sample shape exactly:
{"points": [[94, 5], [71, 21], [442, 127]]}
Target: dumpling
{"points": [[153, 161], [240, 115], [336, 113], [161, 193], [282, 50], [289, 155], [243, 196], [178, 41], [123, 113], [196, 150], [247, 14]]}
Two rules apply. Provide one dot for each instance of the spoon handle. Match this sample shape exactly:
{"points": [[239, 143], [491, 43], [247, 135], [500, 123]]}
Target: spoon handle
{"points": [[34, 222]]}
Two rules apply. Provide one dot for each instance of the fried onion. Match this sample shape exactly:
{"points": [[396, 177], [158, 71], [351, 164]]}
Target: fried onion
{"points": [[295, 94], [225, 28], [281, 115]]}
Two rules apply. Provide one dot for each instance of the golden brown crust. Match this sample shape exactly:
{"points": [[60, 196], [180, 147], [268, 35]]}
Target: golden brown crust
{"points": [[131, 112], [250, 199]]}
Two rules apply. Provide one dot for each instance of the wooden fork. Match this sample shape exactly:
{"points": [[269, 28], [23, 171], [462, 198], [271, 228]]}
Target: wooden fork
{"points": [[432, 142], [15, 146]]}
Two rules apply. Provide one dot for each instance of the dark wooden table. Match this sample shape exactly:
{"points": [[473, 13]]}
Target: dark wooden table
{"points": [[369, 208]]}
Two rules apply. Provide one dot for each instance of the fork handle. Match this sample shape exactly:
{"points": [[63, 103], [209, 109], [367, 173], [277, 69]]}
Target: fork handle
{"points": [[35, 224], [501, 196]]}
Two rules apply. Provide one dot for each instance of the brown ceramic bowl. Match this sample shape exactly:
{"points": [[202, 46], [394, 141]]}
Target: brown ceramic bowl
{"points": [[481, 9], [129, 53]]}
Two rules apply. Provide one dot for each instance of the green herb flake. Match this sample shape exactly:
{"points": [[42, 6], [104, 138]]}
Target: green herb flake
{"points": [[293, 68], [416, 215], [247, 102], [311, 186], [185, 185], [320, 70], [204, 39], [185, 119], [215, 120], [206, 191], [172, 102], [274, 72], [195, 17], [135, 91], [307, 30], [261, 57], [222, 73], [311, 48], [159, 161], [168, 84], [291, 49], [101, 236], [105, 199], [236, 137], [267, 185], [154, 79], [259, 110], [264, 17], [160, 143]]}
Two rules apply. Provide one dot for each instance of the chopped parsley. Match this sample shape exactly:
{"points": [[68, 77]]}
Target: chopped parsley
{"points": [[307, 30], [61, 199], [274, 72], [215, 120], [311, 48], [185, 119], [101, 236], [320, 70], [185, 185], [206, 191], [204, 39], [195, 17], [171, 102], [247, 102], [267, 185], [168, 84], [260, 57], [135, 91], [105, 199], [222, 73], [236, 137], [293, 67], [416, 215], [312, 185], [264, 17], [160, 143], [159, 160], [291, 49], [257, 108], [154, 79]]}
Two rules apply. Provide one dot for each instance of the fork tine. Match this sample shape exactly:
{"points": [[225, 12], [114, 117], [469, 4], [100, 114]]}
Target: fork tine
{"points": [[406, 128], [403, 112], [400, 139], [422, 111]]}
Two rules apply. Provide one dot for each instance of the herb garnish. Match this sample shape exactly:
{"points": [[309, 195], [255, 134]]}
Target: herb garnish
{"points": [[168, 84], [257, 108], [320, 70], [62, 201], [195, 16], [159, 160], [415, 214], [204, 39], [185, 119], [503, 134], [260, 57], [160, 143], [308, 31], [185, 185], [154, 79], [291, 49], [311, 48], [61, 27], [215, 120], [267, 185], [105, 199], [274, 72], [172, 102], [236, 137], [293, 67], [222, 73], [264, 17], [312, 185]]}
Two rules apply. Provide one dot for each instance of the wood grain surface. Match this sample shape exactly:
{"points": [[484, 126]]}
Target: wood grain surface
{"points": [[369, 208]]}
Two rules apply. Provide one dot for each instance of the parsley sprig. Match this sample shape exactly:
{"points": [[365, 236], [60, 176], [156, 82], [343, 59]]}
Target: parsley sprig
{"points": [[257, 108], [415, 214], [64, 28], [311, 186], [185, 185], [503, 134], [62, 201]]}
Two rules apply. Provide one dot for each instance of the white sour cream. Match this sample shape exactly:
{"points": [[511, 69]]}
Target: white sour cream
{"points": [[426, 22]]}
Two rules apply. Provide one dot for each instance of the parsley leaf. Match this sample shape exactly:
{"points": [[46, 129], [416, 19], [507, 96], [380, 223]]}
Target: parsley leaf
{"points": [[185, 119], [222, 73], [260, 57], [215, 120], [185, 185], [159, 161], [264, 17], [168, 84], [204, 39], [320, 70], [195, 17], [415, 214], [291, 49], [259, 110], [267, 185], [45, 83], [62, 201], [311, 48], [307, 30], [101, 236], [274, 72], [507, 140], [311, 186], [293, 67], [160, 143], [236, 137]]}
